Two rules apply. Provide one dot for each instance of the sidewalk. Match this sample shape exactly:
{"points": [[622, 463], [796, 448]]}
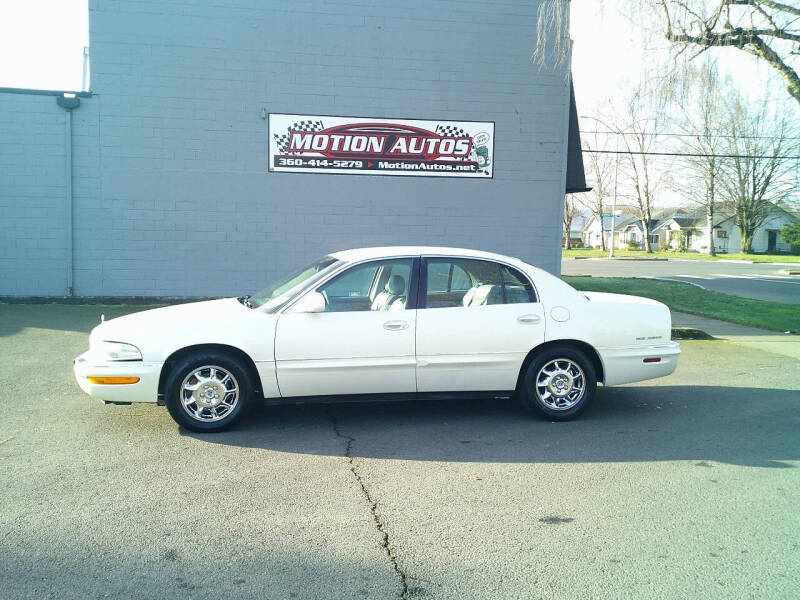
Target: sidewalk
{"points": [[761, 339]]}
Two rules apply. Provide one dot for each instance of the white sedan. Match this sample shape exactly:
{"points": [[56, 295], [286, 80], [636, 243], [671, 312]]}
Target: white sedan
{"points": [[382, 323]]}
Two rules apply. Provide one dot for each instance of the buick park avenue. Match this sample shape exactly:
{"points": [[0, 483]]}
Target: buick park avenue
{"points": [[381, 324]]}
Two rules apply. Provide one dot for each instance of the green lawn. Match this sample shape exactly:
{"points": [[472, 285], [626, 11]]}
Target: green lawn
{"points": [[687, 298], [597, 253]]}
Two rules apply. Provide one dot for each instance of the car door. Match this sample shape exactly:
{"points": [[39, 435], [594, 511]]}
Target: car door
{"points": [[477, 320], [364, 341]]}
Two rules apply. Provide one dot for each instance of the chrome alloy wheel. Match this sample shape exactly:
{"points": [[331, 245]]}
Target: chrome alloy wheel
{"points": [[560, 384], [209, 393]]}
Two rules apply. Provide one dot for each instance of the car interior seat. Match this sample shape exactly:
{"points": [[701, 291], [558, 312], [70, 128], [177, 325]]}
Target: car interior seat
{"points": [[482, 294], [393, 294]]}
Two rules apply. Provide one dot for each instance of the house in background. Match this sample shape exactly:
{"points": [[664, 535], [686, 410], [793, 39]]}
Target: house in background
{"points": [[576, 230], [591, 232], [669, 225], [691, 222]]}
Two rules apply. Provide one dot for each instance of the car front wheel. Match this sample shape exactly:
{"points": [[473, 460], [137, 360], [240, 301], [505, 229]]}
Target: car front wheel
{"points": [[208, 392], [559, 382]]}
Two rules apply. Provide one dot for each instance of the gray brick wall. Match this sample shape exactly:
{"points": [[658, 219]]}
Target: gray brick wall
{"points": [[174, 196], [32, 191]]}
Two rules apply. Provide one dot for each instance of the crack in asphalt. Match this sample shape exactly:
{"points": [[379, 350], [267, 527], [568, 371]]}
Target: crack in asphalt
{"points": [[373, 507]]}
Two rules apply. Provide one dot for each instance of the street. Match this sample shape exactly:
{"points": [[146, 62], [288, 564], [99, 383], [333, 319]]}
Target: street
{"points": [[686, 486], [761, 281]]}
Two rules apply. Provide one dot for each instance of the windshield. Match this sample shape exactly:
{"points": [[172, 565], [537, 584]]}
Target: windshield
{"points": [[278, 293]]}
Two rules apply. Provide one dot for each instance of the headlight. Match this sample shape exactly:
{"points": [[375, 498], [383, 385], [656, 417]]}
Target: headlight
{"points": [[116, 351]]}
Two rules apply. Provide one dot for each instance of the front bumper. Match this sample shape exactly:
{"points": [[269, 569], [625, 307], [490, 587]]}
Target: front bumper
{"points": [[145, 390], [626, 364]]}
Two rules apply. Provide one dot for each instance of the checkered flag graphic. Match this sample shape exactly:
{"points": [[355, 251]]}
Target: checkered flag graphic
{"points": [[282, 139], [451, 131]]}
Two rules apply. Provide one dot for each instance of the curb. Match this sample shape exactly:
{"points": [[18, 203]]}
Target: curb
{"points": [[631, 258]]}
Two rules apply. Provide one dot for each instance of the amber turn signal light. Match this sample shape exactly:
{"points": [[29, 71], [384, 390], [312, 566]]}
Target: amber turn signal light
{"points": [[112, 380]]}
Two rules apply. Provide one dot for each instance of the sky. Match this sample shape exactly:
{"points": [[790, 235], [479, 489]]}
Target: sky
{"points": [[612, 52], [41, 42]]}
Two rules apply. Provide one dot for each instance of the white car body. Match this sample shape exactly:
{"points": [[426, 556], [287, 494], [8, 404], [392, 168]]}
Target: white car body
{"points": [[407, 351]]}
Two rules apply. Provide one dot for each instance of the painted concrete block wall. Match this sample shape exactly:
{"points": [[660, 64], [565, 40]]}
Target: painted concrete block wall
{"points": [[33, 209], [32, 191], [171, 183], [181, 89]]}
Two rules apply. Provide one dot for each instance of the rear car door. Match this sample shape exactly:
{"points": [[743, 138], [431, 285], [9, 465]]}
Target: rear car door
{"points": [[476, 322], [363, 343]]}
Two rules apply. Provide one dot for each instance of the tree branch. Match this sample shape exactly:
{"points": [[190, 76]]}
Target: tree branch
{"points": [[771, 3]]}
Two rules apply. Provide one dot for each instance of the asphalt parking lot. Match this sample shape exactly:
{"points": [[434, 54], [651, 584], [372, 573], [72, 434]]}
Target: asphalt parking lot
{"points": [[760, 281], [687, 486]]}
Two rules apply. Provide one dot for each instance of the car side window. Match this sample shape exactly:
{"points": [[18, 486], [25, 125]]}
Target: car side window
{"points": [[376, 285], [462, 282], [454, 282], [518, 288]]}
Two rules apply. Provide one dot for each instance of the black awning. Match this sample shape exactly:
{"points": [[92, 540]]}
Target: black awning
{"points": [[576, 177]]}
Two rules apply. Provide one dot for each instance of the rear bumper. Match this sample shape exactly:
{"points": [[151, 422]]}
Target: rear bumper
{"points": [[145, 390], [625, 364]]}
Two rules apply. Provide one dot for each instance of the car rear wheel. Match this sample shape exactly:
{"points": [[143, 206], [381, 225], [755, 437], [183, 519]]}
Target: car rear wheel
{"points": [[208, 392], [559, 383]]}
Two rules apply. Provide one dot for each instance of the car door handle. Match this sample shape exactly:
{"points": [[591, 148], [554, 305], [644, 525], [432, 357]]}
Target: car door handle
{"points": [[395, 325], [529, 318]]}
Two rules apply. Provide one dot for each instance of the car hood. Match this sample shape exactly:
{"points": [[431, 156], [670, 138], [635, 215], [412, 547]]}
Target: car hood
{"points": [[160, 331]]}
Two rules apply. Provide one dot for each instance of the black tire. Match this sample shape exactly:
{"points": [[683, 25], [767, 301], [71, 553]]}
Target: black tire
{"points": [[546, 404], [184, 367]]}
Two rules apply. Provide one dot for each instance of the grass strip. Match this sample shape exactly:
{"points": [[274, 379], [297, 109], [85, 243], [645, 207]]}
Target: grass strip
{"points": [[683, 297], [641, 254]]}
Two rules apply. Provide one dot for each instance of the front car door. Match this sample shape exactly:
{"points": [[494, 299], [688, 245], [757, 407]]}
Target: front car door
{"points": [[363, 343], [477, 321]]}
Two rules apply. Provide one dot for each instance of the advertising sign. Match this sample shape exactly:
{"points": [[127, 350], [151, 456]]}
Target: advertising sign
{"points": [[367, 146]]}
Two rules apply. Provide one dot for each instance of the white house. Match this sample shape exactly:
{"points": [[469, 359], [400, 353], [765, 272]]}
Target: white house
{"points": [[576, 230], [591, 231], [692, 223], [668, 226]]}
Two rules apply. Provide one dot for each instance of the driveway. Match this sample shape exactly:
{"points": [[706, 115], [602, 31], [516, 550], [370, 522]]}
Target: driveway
{"points": [[760, 281], [682, 487]]}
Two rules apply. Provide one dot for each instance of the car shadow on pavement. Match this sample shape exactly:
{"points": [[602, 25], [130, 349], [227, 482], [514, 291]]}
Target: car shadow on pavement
{"points": [[707, 424]]}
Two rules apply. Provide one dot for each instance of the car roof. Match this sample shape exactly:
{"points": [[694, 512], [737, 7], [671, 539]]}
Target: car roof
{"points": [[357, 254]]}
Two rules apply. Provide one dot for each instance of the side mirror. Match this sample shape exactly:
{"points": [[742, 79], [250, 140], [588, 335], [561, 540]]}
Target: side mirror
{"points": [[312, 302]]}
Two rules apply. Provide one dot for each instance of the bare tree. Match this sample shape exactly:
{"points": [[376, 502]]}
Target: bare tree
{"points": [[600, 173], [643, 181], [758, 178], [552, 32], [700, 117], [767, 29], [570, 211]]}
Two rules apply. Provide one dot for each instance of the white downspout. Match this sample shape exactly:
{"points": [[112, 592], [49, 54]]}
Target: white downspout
{"points": [[69, 207], [68, 102]]}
